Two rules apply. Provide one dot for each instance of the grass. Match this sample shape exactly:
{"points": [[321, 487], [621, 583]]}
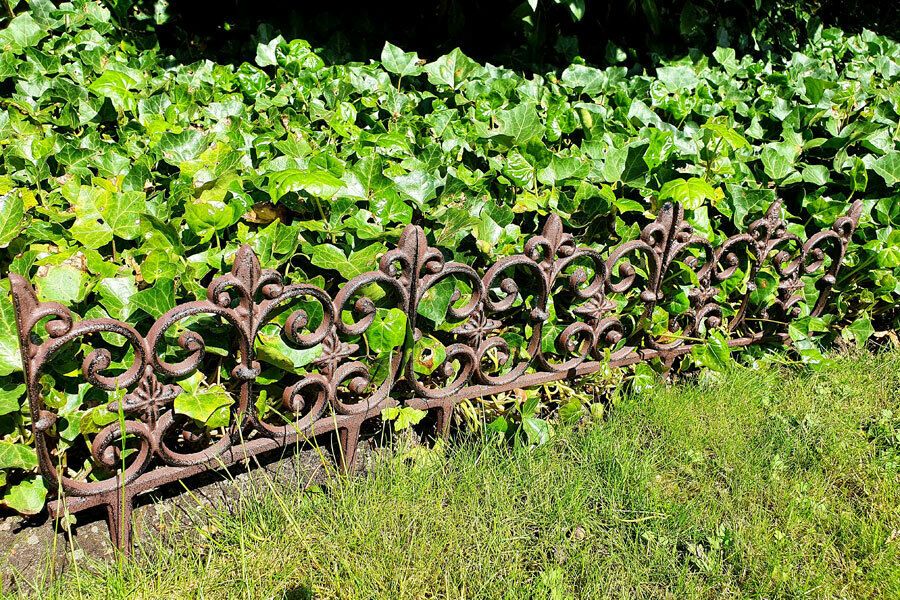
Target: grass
{"points": [[762, 483]]}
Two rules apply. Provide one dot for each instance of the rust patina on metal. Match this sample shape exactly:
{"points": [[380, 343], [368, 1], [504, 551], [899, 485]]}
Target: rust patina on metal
{"points": [[595, 309]]}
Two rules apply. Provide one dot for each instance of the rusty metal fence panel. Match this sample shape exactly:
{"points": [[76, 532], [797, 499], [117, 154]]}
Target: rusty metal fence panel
{"points": [[598, 304]]}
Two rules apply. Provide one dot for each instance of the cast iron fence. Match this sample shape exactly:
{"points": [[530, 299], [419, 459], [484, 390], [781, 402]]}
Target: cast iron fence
{"points": [[555, 311]]}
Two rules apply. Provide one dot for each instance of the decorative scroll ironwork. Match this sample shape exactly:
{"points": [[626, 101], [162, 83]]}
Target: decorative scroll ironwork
{"points": [[554, 311]]}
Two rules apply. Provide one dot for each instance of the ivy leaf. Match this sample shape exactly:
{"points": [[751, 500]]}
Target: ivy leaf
{"points": [[815, 174], [563, 168], [403, 417], [859, 179], [27, 497], [778, 162], [889, 258], [635, 166], [369, 172], [266, 53], [177, 148], [643, 114], [644, 378], [765, 290], [393, 210], [734, 139], [691, 194], [436, 300], [428, 355], [537, 431], [116, 294], [727, 58], [715, 354], [12, 212], [519, 125], [91, 233], [205, 405], [614, 166], [207, 215], [22, 32], [117, 87], [888, 166], [419, 186], [156, 300], [274, 244], [815, 88], [329, 256], [271, 348], [451, 69], [589, 79], [576, 9], [660, 147], [551, 330], [387, 331], [518, 169], [399, 62], [321, 184], [10, 394], [62, 283], [122, 213], [17, 456], [571, 412], [745, 201], [678, 77], [859, 331], [10, 358], [159, 264], [499, 425]]}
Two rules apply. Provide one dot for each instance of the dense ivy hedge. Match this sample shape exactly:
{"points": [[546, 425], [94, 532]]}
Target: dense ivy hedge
{"points": [[128, 180]]}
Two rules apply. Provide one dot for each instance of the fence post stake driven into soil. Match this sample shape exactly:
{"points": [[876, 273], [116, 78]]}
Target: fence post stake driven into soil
{"points": [[555, 311]]}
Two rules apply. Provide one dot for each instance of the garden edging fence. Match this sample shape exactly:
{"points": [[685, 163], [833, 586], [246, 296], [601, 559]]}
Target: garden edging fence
{"points": [[150, 444]]}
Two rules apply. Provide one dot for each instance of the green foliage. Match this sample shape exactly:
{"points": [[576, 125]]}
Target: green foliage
{"points": [[715, 355], [207, 405], [130, 179], [403, 417], [523, 423], [27, 496]]}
